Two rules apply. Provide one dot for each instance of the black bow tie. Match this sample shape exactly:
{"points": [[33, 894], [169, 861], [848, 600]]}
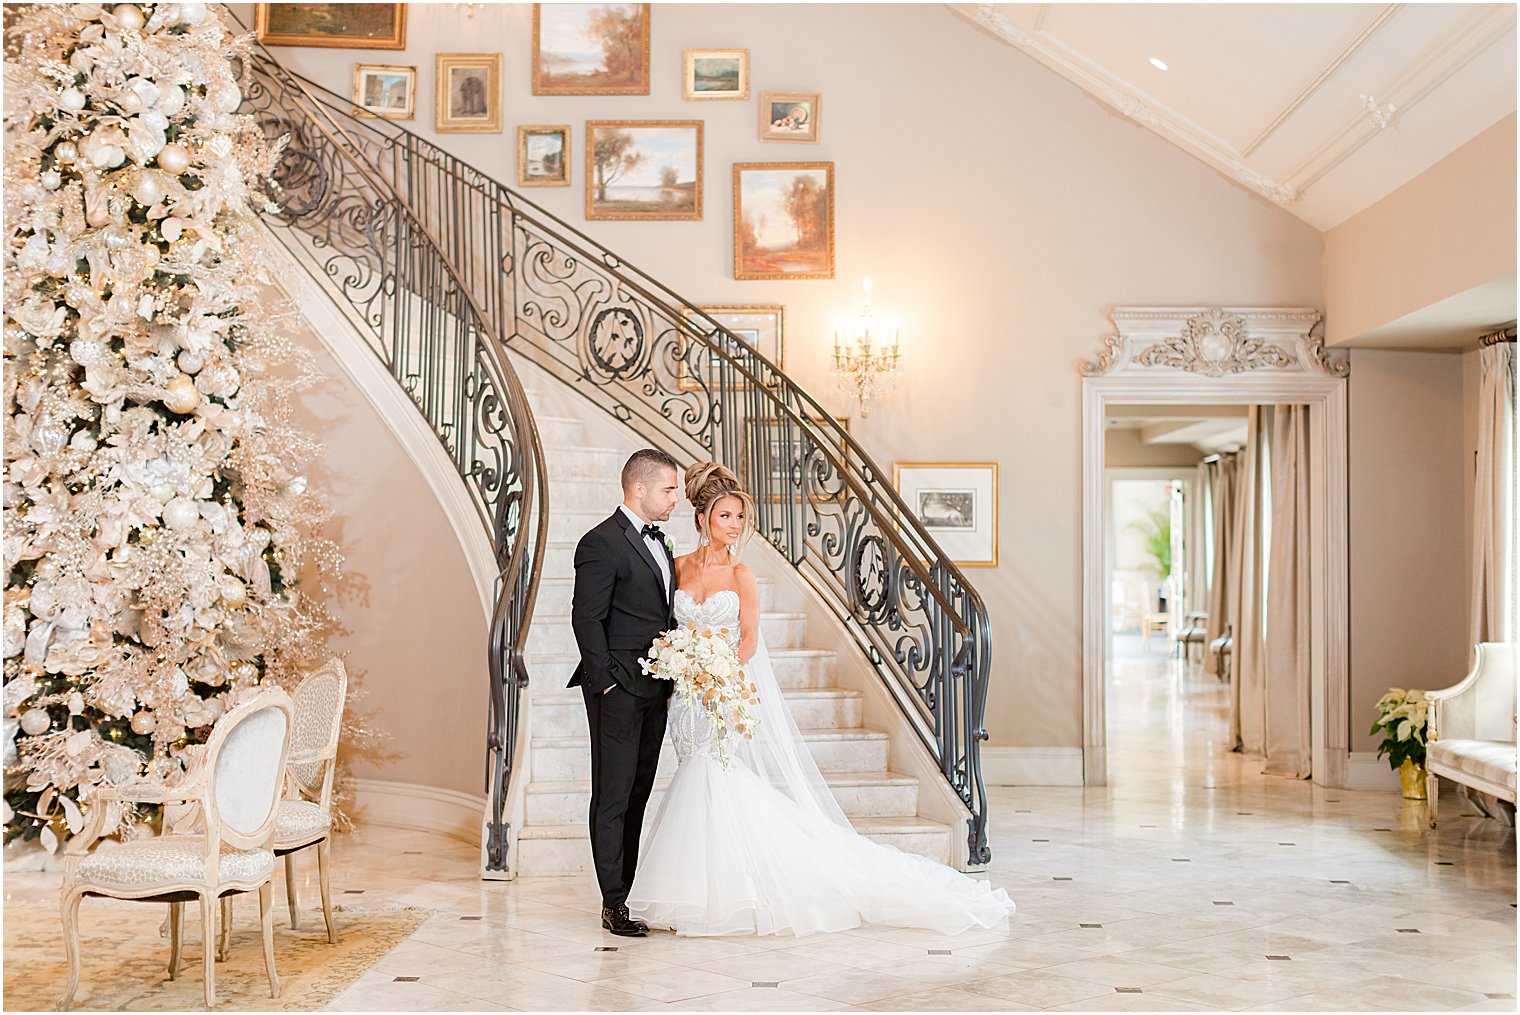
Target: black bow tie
{"points": [[652, 530]]}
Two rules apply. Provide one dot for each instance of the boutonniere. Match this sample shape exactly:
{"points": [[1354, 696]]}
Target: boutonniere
{"points": [[670, 547]]}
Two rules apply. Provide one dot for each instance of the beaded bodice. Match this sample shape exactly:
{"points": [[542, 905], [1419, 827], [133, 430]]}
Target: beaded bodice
{"points": [[690, 730]]}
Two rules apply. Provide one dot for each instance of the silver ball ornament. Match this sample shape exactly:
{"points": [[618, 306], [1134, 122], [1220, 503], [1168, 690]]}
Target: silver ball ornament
{"points": [[174, 159], [35, 721]]}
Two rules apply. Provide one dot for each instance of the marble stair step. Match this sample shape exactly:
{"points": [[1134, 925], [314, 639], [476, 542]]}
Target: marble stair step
{"points": [[562, 713], [556, 432], [562, 850], [557, 759], [555, 596], [860, 795], [780, 630], [794, 667], [585, 463]]}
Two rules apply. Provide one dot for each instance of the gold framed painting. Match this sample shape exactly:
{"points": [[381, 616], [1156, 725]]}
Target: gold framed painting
{"points": [[468, 93], [763, 327], [957, 502], [779, 452], [644, 169], [591, 49], [790, 116], [783, 220], [543, 155], [338, 26], [715, 74], [385, 90]]}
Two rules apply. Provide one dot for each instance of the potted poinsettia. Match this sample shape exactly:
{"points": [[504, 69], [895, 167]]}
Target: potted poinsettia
{"points": [[1402, 719]]}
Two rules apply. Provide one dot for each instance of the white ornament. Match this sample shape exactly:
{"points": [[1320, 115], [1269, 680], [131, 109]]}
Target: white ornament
{"points": [[66, 151], [174, 159], [154, 120], [192, 13], [71, 99], [35, 721], [83, 441], [130, 103], [234, 593], [128, 17], [181, 513], [109, 156], [51, 180], [145, 90], [163, 493], [172, 101], [76, 704], [171, 228], [143, 723], [225, 98], [190, 362], [148, 190], [296, 486], [181, 395]]}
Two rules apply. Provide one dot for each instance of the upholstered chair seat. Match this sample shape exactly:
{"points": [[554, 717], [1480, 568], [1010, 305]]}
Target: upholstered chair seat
{"points": [[167, 860], [300, 822]]}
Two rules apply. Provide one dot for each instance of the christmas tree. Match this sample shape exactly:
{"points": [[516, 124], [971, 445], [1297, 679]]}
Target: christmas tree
{"points": [[156, 520]]}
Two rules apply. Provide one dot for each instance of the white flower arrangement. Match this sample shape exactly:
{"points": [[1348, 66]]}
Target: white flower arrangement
{"points": [[707, 675]]}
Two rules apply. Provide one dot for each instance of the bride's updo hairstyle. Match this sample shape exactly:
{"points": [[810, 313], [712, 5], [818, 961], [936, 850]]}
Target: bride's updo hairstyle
{"points": [[706, 484]]}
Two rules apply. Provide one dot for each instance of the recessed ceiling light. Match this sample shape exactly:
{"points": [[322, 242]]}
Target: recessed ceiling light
{"points": [[1158, 63]]}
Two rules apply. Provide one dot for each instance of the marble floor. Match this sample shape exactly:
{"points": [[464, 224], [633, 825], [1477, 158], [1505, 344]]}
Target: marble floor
{"points": [[1191, 883]]}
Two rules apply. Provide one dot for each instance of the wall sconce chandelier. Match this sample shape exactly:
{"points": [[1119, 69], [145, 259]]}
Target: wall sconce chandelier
{"points": [[865, 354]]}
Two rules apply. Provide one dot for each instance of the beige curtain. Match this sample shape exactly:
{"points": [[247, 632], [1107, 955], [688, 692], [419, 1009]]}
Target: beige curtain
{"points": [[1287, 658], [1222, 485], [1194, 555], [1247, 698], [1493, 592]]}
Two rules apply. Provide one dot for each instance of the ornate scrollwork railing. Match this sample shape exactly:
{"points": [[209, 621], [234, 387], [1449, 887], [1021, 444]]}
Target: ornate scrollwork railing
{"points": [[343, 220], [673, 375]]}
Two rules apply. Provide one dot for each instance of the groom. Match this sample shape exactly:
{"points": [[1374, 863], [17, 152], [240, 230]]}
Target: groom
{"points": [[624, 584]]}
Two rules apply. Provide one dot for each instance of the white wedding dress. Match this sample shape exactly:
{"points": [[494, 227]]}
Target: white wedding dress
{"points": [[762, 847]]}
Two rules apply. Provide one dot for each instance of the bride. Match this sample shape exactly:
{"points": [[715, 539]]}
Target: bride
{"points": [[760, 846]]}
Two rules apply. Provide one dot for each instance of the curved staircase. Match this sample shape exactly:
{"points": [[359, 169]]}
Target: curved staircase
{"points": [[552, 839]]}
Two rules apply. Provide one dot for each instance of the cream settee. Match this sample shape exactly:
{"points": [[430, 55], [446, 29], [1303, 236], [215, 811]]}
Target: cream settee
{"points": [[1471, 735]]}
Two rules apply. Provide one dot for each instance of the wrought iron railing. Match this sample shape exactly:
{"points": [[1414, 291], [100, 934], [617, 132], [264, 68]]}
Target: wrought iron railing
{"points": [[344, 222], [673, 375]]}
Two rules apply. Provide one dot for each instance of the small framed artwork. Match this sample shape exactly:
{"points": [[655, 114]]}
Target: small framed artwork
{"points": [[590, 49], [644, 169], [468, 91], [783, 220], [760, 326], [958, 503], [340, 26], [789, 116], [781, 448], [385, 90], [716, 74], [543, 156]]}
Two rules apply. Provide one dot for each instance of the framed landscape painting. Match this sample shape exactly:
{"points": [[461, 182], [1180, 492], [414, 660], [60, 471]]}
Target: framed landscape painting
{"points": [[468, 93], [591, 49], [385, 90], [789, 116], [783, 220], [716, 74], [342, 26], [543, 156], [760, 326], [780, 455], [644, 169], [958, 503]]}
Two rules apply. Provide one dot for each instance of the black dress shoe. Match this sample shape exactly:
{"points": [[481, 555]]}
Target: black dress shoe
{"points": [[618, 922]]}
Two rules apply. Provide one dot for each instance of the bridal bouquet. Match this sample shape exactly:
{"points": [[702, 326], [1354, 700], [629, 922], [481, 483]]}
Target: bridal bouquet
{"points": [[707, 675]]}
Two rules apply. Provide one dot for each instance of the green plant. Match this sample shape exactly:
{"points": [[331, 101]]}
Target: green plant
{"points": [[1157, 530], [1402, 719]]}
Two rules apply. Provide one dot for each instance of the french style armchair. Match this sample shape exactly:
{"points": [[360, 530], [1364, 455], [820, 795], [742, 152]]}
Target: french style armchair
{"points": [[1470, 736], [236, 787]]}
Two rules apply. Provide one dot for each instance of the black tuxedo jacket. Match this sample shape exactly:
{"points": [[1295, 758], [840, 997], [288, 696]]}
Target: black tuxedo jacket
{"points": [[620, 608]]}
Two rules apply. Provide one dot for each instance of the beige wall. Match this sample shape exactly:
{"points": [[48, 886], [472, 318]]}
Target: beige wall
{"points": [[999, 209], [1448, 230], [1410, 490], [415, 646]]}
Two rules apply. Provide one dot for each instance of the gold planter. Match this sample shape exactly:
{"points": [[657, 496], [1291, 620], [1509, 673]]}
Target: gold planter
{"points": [[1413, 778]]}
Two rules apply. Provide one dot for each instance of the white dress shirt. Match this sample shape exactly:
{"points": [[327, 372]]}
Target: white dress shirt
{"points": [[655, 546]]}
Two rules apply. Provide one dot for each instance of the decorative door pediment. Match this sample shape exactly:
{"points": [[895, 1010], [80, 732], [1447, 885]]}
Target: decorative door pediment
{"points": [[1215, 342]]}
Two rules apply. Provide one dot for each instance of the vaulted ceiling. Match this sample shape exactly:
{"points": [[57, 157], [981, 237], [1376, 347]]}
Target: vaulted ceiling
{"points": [[1322, 108]]}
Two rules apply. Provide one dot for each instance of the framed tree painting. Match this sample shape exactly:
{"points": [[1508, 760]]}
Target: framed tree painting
{"points": [[644, 169], [341, 26], [468, 93], [591, 49], [385, 90], [715, 74], [543, 156], [783, 220], [760, 326], [957, 502]]}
